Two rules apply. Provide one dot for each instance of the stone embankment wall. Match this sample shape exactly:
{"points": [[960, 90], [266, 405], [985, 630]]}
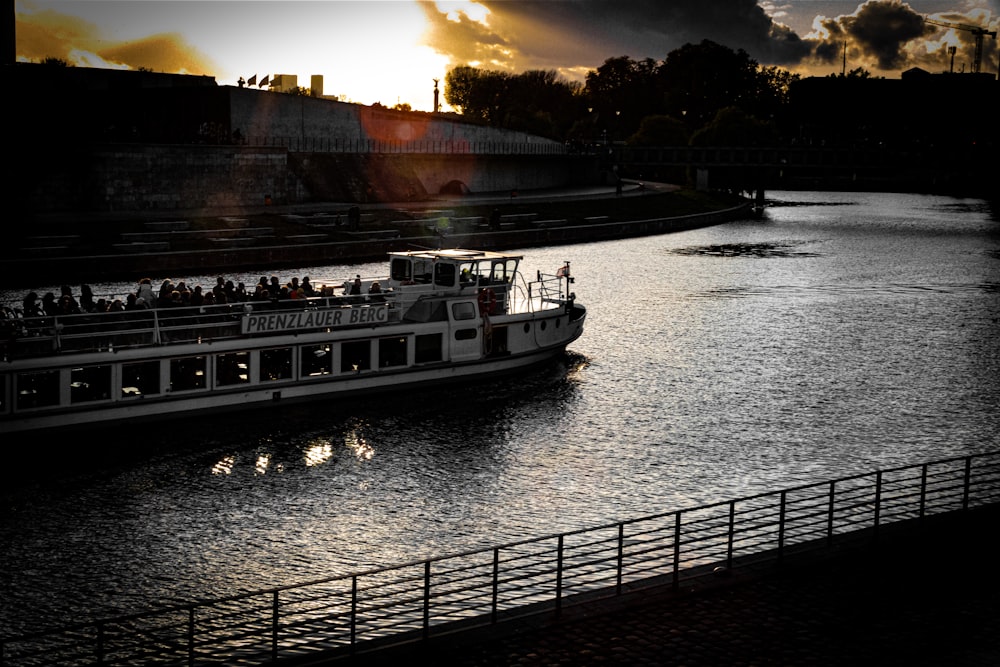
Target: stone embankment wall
{"points": [[261, 116], [296, 149]]}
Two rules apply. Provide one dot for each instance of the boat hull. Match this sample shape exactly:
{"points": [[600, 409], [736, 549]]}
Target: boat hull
{"points": [[448, 316]]}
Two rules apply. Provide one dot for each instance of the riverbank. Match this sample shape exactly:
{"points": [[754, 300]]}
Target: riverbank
{"points": [[130, 245]]}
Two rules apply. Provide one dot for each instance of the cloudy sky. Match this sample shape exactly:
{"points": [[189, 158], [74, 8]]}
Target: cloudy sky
{"points": [[390, 51]]}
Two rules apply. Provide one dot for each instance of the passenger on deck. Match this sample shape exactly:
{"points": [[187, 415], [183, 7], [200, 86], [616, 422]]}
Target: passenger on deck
{"points": [[198, 296], [87, 304], [307, 287], [375, 293], [145, 291], [68, 305], [67, 302], [163, 300], [356, 287], [49, 304], [30, 306]]}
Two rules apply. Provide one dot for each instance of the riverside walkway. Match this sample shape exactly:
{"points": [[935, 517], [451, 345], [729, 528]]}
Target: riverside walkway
{"points": [[921, 593]]}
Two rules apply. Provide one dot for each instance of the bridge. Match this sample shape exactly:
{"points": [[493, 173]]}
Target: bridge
{"points": [[920, 166]]}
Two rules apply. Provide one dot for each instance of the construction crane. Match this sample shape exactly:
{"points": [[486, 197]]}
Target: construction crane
{"points": [[979, 33]]}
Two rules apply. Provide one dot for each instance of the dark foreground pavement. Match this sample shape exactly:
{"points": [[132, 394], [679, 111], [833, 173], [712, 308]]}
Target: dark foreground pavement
{"points": [[920, 593]]}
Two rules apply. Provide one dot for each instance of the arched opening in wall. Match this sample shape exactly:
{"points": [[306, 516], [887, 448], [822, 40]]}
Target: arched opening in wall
{"points": [[455, 187]]}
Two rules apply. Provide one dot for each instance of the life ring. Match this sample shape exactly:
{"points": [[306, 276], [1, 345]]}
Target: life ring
{"points": [[487, 301]]}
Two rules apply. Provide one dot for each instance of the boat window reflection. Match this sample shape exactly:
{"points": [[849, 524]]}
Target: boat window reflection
{"points": [[427, 348], [464, 310], [36, 390], [141, 378], [276, 364], [90, 383], [317, 360], [232, 368], [392, 352], [355, 356], [187, 373]]}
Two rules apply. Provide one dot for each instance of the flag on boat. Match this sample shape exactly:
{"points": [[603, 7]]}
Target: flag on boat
{"points": [[263, 82], [563, 271], [252, 81]]}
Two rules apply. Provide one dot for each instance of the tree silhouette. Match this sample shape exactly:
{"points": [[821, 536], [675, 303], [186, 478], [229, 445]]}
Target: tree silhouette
{"points": [[691, 85]]}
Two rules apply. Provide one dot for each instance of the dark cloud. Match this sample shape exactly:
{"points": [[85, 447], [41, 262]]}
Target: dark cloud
{"points": [[880, 35], [537, 34], [889, 35], [879, 30]]}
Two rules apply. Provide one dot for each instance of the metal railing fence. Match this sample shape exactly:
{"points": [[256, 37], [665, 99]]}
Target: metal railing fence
{"points": [[355, 145], [410, 602]]}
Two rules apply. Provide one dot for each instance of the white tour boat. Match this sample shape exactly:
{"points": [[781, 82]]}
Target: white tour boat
{"points": [[440, 316]]}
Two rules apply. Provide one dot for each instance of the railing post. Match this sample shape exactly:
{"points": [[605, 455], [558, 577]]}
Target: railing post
{"points": [[829, 512], [878, 501], [677, 551], [621, 557], [496, 584], [427, 598], [559, 573], [732, 534], [781, 526], [191, 636], [354, 611], [968, 480], [274, 627], [100, 644], [923, 490]]}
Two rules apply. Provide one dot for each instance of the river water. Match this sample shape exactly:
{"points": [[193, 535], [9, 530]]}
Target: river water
{"points": [[837, 334]]}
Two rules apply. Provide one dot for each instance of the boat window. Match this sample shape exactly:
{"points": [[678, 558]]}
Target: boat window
{"points": [[469, 273], [444, 274], [503, 271], [90, 383], [391, 352], [423, 270], [187, 373], [37, 390], [463, 310], [276, 364], [355, 357], [232, 368], [400, 269], [427, 348], [141, 379], [317, 360], [465, 334]]}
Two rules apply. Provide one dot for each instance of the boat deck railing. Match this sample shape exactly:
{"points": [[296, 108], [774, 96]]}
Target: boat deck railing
{"points": [[27, 337], [410, 603]]}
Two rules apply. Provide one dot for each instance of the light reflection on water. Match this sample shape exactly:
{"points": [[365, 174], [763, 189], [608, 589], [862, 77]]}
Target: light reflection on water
{"points": [[838, 334]]}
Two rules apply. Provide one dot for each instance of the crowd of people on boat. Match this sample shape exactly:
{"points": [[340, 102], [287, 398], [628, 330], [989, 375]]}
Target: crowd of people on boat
{"points": [[170, 294]]}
